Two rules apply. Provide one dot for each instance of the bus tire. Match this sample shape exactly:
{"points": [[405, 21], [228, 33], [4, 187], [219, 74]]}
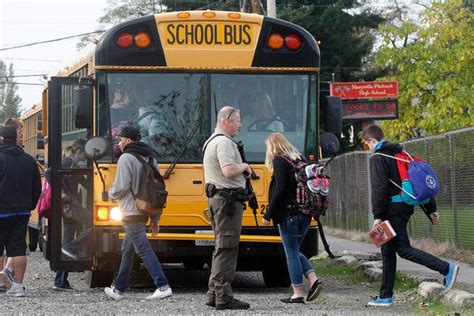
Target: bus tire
{"points": [[276, 274], [99, 278], [193, 263], [33, 235]]}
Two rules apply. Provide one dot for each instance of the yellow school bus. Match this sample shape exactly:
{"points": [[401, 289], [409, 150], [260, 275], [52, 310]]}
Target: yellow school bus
{"points": [[32, 136], [168, 75]]}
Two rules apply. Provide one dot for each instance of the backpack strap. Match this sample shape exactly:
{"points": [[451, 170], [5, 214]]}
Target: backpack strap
{"points": [[393, 157], [210, 139], [396, 198], [289, 160], [150, 162]]}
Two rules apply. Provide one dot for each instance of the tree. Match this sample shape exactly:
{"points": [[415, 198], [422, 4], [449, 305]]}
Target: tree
{"points": [[3, 85], [346, 39], [10, 106], [433, 64]]}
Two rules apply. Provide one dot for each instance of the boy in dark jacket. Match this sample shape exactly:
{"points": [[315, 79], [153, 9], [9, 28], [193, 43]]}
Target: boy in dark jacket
{"points": [[382, 170], [20, 189]]}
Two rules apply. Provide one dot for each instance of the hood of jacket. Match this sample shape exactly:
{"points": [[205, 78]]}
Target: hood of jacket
{"points": [[140, 148], [11, 149], [390, 148]]}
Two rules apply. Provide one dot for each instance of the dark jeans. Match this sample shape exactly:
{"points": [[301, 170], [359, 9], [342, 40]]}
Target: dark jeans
{"points": [[401, 244], [61, 279], [70, 228], [136, 242], [77, 226], [292, 233]]}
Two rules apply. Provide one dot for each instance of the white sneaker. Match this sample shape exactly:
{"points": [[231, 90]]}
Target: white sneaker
{"points": [[113, 294], [159, 294], [7, 276], [17, 290]]}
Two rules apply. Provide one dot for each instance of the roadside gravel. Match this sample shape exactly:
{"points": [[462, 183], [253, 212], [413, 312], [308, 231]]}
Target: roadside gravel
{"points": [[189, 287]]}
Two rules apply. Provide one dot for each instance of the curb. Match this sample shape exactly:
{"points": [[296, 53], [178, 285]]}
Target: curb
{"points": [[428, 288]]}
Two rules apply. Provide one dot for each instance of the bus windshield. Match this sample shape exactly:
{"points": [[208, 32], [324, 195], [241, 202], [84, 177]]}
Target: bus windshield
{"points": [[172, 110]]}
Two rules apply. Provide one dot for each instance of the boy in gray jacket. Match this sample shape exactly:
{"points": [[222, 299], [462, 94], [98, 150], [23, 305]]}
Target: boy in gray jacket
{"points": [[129, 173]]}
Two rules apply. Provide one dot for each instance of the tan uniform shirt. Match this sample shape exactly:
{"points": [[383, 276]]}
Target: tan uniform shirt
{"points": [[221, 152]]}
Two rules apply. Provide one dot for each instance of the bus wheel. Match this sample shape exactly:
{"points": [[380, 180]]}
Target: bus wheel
{"points": [[276, 274], [33, 235], [99, 278], [193, 264]]}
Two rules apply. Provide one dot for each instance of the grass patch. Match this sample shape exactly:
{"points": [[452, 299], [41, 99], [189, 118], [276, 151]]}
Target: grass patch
{"points": [[349, 273], [326, 267], [405, 283], [434, 306]]}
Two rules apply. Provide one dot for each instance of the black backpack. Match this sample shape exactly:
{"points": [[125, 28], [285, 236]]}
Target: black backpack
{"points": [[151, 195]]}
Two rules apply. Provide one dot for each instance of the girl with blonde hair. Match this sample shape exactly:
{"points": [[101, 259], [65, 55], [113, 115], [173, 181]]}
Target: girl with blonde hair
{"points": [[292, 225]]}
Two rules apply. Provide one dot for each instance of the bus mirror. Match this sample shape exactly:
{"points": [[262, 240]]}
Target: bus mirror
{"points": [[83, 103], [96, 148], [329, 144], [333, 115]]}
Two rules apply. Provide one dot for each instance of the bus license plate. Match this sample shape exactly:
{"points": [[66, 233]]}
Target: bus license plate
{"points": [[204, 242]]}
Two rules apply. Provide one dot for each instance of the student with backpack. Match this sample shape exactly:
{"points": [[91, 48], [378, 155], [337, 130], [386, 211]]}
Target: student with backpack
{"points": [[131, 174], [283, 210], [387, 204]]}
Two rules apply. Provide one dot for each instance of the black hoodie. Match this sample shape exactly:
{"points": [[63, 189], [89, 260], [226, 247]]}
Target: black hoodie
{"points": [[140, 148], [382, 169], [20, 181]]}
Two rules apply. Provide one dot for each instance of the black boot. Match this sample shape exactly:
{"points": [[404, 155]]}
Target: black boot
{"points": [[234, 304]]}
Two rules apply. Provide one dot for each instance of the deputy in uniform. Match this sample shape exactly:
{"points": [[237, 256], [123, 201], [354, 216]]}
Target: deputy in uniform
{"points": [[225, 187]]}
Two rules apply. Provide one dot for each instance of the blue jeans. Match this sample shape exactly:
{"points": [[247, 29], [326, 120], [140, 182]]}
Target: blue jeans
{"points": [[136, 242], [292, 233]]}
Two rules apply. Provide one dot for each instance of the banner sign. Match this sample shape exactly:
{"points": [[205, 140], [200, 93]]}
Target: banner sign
{"points": [[369, 109], [365, 90]]}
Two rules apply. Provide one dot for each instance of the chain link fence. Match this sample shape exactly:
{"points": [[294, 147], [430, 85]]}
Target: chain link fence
{"points": [[451, 156]]}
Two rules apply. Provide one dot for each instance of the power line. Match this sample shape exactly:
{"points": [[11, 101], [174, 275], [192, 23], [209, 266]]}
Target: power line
{"points": [[53, 40], [32, 59], [23, 83], [15, 76]]}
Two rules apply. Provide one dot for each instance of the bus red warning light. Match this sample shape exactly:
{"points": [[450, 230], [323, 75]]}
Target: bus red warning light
{"points": [[124, 40], [293, 42]]}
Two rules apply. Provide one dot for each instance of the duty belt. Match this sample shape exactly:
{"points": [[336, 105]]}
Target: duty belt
{"points": [[238, 194]]}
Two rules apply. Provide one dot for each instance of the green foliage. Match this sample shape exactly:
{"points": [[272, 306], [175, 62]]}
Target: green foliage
{"points": [[433, 63], [9, 99], [404, 282], [346, 37], [326, 267]]}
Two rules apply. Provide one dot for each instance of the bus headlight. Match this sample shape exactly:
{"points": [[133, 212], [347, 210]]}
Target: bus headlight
{"points": [[115, 214], [102, 214]]}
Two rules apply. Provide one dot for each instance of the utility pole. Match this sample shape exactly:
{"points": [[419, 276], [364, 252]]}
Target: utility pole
{"points": [[257, 7], [271, 8]]}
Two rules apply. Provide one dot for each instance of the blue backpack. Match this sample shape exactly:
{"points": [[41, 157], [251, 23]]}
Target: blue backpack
{"points": [[419, 182]]}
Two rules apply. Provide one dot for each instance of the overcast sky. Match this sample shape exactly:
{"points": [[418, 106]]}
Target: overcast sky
{"points": [[29, 21]]}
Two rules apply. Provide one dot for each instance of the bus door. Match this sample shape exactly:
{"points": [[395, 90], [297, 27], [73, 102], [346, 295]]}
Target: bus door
{"points": [[71, 179]]}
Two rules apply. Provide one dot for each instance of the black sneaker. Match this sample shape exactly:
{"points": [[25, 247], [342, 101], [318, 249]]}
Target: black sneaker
{"points": [[211, 302], [234, 304], [297, 300]]}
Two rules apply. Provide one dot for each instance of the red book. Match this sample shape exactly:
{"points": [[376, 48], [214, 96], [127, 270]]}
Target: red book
{"points": [[382, 234]]}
